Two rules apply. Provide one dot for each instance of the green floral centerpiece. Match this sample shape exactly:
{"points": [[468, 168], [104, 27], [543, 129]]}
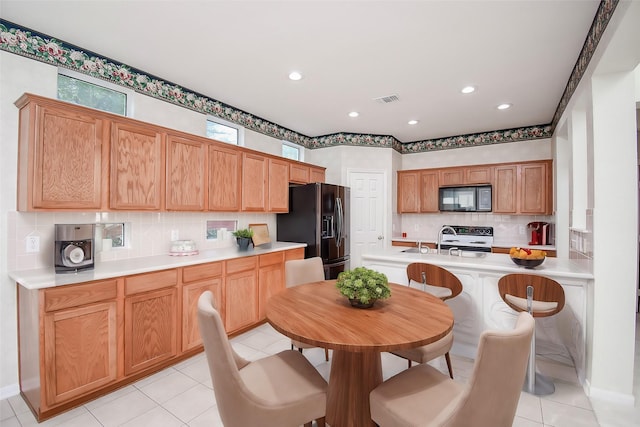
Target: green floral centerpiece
{"points": [[363, 286]]}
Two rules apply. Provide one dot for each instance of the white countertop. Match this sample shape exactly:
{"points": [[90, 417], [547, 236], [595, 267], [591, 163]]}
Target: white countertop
{"points": [[46, 277], [555, 267]]}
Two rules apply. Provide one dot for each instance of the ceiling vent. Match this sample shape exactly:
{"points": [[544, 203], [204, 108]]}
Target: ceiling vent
{"points": [[387, 99]]}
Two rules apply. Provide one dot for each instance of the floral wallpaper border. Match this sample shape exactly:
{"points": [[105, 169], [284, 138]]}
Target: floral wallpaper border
{"points": [[26, 42]]}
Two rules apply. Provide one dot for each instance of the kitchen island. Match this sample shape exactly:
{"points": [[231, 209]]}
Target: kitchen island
{"points": [[479, 307]]}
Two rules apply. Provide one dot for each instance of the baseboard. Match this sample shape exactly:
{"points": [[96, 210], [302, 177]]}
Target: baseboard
{"points": [[609, 396], [9, 391]]}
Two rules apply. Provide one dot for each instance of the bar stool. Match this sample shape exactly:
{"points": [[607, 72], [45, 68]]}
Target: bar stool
{"points": [[442, 284], [540, 296]]}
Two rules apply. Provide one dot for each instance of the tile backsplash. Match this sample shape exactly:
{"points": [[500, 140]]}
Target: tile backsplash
{"points": [[150, 233], [507, 229]]}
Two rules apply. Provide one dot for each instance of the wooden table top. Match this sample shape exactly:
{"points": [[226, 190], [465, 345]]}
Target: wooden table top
{"points": [[317, 314]]}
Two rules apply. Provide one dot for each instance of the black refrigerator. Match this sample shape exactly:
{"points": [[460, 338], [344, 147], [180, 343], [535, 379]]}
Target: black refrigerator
{"points": [[319, 216]]}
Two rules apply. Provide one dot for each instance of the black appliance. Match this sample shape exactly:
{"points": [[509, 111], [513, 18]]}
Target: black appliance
{"points": [[465, 199], [476, 238], [319, 216], [73, 247]]}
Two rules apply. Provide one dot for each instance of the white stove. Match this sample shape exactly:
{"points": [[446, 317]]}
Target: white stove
{"points": [[476, 238]]}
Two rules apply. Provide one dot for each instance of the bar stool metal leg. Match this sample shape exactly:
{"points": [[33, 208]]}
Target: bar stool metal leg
{"points": [[535, 383]]}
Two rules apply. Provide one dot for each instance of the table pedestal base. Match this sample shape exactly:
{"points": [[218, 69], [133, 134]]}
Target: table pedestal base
{"points": [[352, 377]]}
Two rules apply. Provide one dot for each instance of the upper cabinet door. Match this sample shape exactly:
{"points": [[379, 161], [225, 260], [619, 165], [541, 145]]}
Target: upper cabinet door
{"points": [[278, 185], [505, 192], [535, 188], [478, 175], [316, 175], [186, 174], [137, 162], [451, 176], [408, 192], [224, 178], [60, 158], [255, 176], [429, 191]]}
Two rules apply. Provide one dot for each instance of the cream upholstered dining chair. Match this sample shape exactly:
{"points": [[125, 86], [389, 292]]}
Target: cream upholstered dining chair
{"points": [[424, 396], [546, 299], [280, 390], [444, 285], [299, 272]]}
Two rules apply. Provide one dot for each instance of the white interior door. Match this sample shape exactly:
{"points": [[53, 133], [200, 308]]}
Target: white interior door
{"points": [[368, 194]]}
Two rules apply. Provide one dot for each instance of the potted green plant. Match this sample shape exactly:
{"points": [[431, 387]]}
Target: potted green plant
{"points": [[363, 286], [243, 237]]}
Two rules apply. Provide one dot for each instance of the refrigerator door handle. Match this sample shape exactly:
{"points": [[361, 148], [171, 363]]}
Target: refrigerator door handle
{"points": [[339, 217]]}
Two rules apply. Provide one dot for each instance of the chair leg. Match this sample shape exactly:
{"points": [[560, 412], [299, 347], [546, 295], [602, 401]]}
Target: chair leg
{"points": [[300, 350], [308, 424], [408, 363], [291, 346], [326, 354], [448, 359], [320, 422]]}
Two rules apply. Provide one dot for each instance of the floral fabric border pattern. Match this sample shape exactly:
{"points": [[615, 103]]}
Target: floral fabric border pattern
{"points": [[25, 42]]}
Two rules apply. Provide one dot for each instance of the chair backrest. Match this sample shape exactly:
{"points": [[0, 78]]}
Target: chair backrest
{"points": [[545, 290], [491, 396], [234, 400], [300, 271], [434, 276]]}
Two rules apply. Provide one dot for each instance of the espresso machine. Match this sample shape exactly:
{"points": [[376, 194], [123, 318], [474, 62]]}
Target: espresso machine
{"points": [[539, 233], [73, 247]]}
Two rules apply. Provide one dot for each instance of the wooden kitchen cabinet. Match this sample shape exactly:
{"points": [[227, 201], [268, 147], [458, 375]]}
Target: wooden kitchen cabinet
{"points": [[429, 200], [186, 172], [62, 156], [241, 293], [466, 175], [270, 279], [137, 166], [523, 188], [255, 176], [67, 343], [408, 192], [197, 279], [278, 194], [150, 320], [305, 174], [225, 176]]}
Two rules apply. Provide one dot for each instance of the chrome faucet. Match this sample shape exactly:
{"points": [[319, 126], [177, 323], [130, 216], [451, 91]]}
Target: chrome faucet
{"points": [[419, 246], [446, 227]]}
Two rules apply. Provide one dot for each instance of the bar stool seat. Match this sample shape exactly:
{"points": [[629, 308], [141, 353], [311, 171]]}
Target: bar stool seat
{"points": [[540, 296]]}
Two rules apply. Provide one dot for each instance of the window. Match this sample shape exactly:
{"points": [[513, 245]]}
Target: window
{"points": [[91, 92], [222, 130], [292, 151], [113, 235]]}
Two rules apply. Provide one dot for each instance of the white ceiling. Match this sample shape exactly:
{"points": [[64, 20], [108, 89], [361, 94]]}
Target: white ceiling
{"points": [[240, 52]]}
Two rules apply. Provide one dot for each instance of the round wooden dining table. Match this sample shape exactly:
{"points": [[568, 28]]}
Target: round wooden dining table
{"points": [[317, 314]]}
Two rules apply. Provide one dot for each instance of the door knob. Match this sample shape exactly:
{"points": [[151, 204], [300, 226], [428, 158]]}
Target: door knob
{"points": [[380, 237]]}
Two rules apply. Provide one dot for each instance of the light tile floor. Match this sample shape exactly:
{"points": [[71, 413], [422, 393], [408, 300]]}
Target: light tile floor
{"points": [[182, 395]]}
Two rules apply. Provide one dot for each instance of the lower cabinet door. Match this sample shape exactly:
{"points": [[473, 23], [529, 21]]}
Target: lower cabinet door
{"points": [[79, 351], [241, 300], [190, 293], [150, 324]]}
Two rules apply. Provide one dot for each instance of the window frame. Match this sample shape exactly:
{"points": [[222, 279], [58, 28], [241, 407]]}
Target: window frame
{"points": [[298, 147], [129, 94], [217, 120]]}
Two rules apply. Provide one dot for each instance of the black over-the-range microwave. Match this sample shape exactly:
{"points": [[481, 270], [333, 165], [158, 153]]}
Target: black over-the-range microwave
{"points": [[465, 199]]}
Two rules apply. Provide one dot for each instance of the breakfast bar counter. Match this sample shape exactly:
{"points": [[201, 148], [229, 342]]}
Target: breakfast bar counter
{"points": [[560, 338]]}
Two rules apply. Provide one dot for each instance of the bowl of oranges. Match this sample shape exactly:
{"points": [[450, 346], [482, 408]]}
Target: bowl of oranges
{"points": [[527, 258]]}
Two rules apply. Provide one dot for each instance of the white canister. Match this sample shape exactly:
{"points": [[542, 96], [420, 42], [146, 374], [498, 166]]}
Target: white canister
{"points": [[107, 244]]}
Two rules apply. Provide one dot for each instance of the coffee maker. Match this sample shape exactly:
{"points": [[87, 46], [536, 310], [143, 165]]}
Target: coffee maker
{"points": [[539, 233], [73, 247]]}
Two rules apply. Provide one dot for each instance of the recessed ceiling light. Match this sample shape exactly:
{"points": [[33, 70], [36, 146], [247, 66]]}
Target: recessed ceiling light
{"points": [[504, 106], [294, 75], [354, 114], [468, 89], [413, 122]]}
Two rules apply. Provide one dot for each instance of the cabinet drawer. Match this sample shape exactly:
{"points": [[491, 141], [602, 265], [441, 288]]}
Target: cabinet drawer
{"points": [[242, 264], [150, 281], [201, 271], [272, 258], [76, 295]]}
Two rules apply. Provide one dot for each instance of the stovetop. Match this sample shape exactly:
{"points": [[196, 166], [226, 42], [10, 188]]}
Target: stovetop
{"points": [[466, 236]]}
